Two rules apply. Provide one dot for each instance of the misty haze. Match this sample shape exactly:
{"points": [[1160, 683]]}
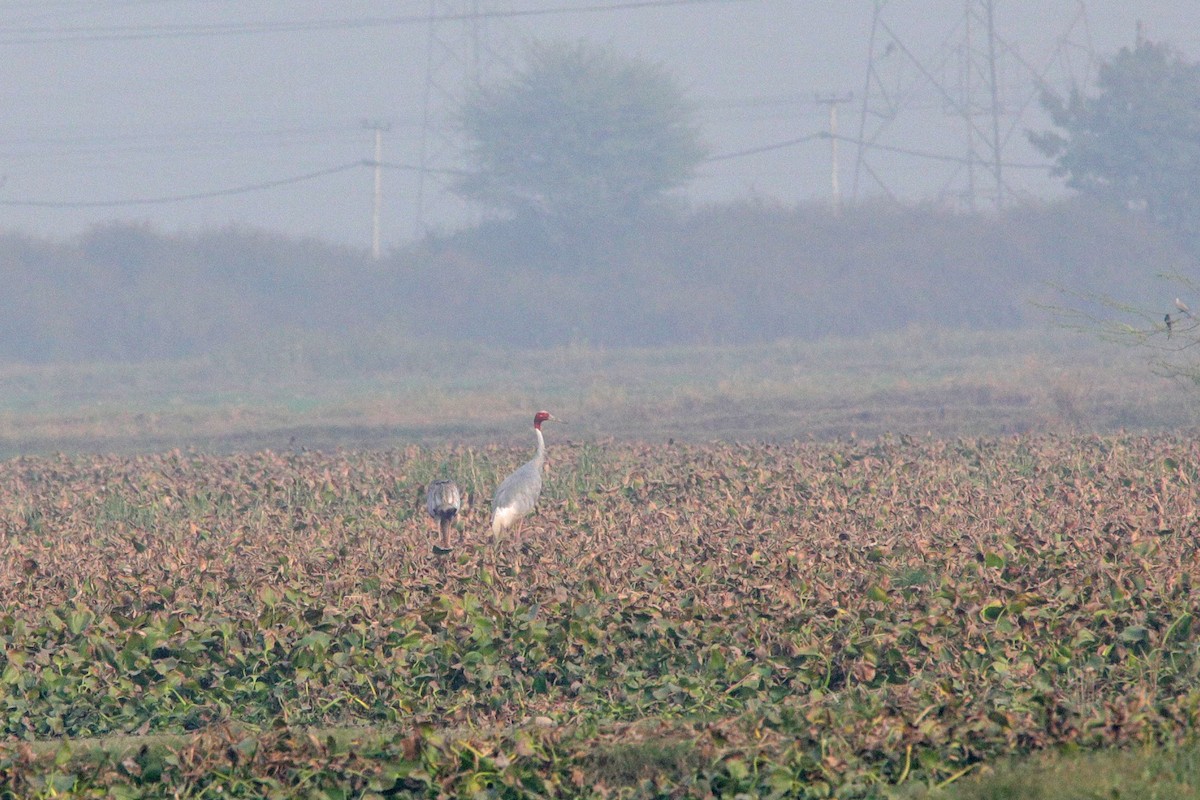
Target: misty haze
{"points": [[599, 399], [302, 199], [354, 207]]}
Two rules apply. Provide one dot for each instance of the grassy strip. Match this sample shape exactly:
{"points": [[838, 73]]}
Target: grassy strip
{"points": [[917, 381], [647, 759], [1167, 773], [533, 759]]}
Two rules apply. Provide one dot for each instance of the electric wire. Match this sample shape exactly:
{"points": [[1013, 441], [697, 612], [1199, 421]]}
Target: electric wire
{"points": [[179, 198], [265, 185], [99, 33]]}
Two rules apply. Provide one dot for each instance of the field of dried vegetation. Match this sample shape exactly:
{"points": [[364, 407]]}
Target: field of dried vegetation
{"points": [[803, 619]]}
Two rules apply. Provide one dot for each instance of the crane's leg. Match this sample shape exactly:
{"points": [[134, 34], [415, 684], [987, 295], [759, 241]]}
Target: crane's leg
{"points": [[443, 544]]}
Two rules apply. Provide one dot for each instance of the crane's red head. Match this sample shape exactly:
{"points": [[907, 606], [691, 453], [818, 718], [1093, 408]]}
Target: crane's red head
{"points": [[542, 416]]}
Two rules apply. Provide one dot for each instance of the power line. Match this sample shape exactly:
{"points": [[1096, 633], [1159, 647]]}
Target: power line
{"points": [[932, 156], [93, 33], [908, 151], [974, 50], [172, 143], [419, 168], [255, 187], [179, 198], [766, 147]]}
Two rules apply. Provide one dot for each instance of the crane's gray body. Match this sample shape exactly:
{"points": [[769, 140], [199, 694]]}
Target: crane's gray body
{"points": [[519, 492], [442, 501]]}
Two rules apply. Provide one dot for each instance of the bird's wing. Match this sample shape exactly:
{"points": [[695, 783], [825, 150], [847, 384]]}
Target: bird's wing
{"points": [[520, 490], [442, 496]]}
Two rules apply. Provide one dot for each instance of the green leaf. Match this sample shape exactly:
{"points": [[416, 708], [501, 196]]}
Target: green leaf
{"points": [[1134, 633], [992, 611], [737, 768]]}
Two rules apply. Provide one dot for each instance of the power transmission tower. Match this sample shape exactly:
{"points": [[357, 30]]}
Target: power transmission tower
{"points": [[967, 79], [466, 46]]}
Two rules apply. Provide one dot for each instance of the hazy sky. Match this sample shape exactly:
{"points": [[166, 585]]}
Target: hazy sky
{"points": [[107, 103]]}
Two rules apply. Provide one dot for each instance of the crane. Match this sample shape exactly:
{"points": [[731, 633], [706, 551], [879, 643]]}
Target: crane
{"points": [[442, 501], [518, 494]]}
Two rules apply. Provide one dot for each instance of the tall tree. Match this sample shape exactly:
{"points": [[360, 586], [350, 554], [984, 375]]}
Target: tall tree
{"points": [[578, 137], [1136, 142]]}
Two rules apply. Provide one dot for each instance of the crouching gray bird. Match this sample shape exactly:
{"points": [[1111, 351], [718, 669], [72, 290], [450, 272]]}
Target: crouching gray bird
{"points": [[442, 501]]}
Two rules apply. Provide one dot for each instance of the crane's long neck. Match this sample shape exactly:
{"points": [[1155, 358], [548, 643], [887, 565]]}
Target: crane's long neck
{"points": [[540, 455]]}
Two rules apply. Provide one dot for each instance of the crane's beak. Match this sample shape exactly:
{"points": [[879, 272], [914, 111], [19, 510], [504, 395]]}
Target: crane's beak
{"points": [[553, 418]]}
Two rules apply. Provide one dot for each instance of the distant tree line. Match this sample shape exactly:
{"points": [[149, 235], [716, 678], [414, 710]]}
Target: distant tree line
{"points": [[1134, 142], [577, 157], [738, 273]]}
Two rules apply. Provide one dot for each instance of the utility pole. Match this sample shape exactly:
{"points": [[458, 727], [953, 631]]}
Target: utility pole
{"points": [[833, 101], [379, 126]]}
